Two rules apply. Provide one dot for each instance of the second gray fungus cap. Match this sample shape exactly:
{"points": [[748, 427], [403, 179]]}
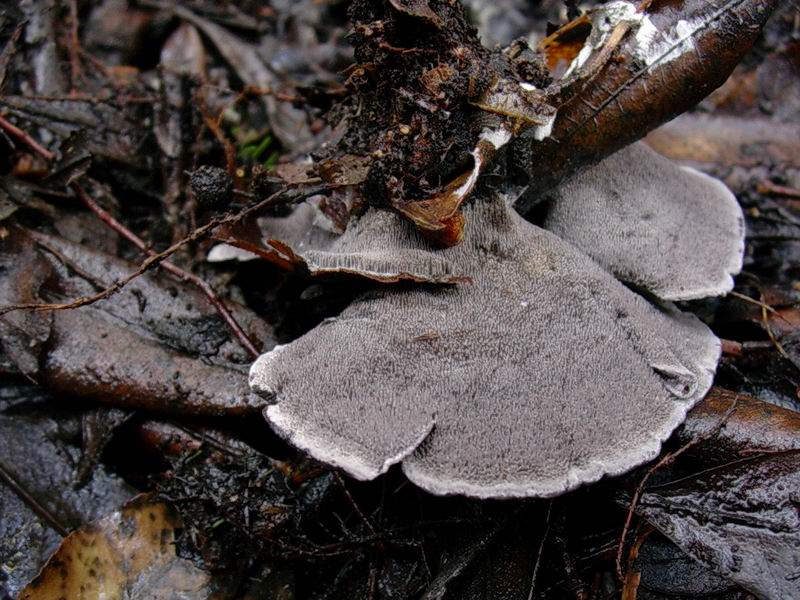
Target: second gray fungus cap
{"points": [[541, 373], [636, 213]]}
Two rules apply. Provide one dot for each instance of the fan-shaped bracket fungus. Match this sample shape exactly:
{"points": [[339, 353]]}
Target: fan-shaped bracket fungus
{"points": [[555, 357], [544, 371]]}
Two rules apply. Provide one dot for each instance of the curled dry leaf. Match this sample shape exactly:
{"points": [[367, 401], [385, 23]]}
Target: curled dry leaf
{"points": [[438, 217], [514, 107], [562, 48], [126, 554], [741, 519], [370, 247]]}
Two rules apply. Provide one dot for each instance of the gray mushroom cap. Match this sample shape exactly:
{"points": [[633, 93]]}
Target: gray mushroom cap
{"points": [[670, 230], [542, 373]]}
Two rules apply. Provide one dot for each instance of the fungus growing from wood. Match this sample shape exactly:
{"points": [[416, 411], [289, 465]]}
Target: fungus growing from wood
{"points": [[540, 374], [518, 360]]}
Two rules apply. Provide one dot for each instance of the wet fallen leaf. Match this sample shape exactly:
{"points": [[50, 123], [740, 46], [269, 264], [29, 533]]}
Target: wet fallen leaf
{"points": [[42, 53], [183, 52], [112, 28], [458, 565], [126, 554], [500, 569], [26, 541], [112, 131], [741, 519], [289, 124], [39, 501], [753, 427], [667, 571], [155, 344]]}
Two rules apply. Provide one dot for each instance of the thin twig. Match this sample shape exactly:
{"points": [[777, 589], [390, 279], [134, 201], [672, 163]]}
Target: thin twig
{"points": [[541, 550], [771, 334], [633, 578], [216, 130], [204, 287], [767, 187], [32, 503], [666, 460], [154, 259], [24, 137], [120, 100], [760, 303], [766, 308], [354, 504], [732, 348]]}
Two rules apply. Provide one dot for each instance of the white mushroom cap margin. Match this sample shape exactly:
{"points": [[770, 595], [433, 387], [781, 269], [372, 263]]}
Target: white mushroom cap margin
{"points": [[540, 375]]}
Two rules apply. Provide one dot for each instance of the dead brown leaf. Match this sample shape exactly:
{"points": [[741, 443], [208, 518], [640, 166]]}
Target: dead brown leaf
{"points": [[643, 84], [753, 427], [127, 554]]}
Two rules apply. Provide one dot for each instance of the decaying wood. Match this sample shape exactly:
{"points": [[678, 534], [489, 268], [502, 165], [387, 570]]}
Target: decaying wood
{"points": [[633, 94]]}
